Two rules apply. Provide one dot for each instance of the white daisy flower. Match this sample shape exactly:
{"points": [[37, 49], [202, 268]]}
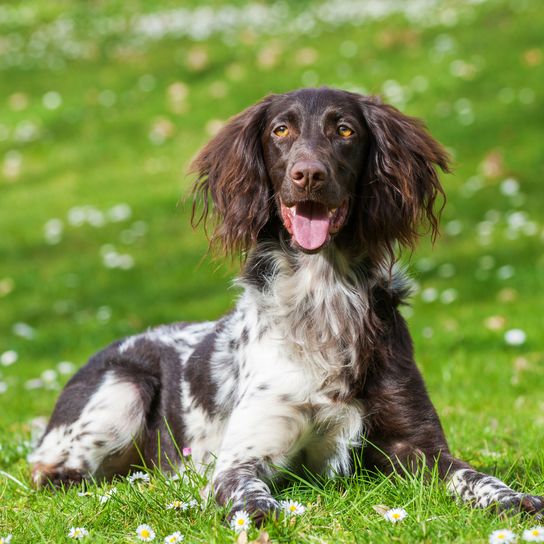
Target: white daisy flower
{"points": [[395, 515], [145, 532], [509, 187], [515, 337], [534, 534], [180, 505], [138, 477], [66, 367], [5, 539], [173, 538], [502, 536], [8, 358], [78, 533], [292, 508], [107, 495], [177, 505], [240, 522]]}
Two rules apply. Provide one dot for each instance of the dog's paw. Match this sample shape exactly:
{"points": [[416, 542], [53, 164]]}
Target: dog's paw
{"points": [[529, 504], [484, 491], [259, 508], [55, 476]]}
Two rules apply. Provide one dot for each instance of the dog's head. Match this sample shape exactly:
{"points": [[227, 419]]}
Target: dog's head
{"points": [[326, 166]]}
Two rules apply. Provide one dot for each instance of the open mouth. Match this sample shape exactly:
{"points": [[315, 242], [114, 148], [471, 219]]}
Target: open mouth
{"points": [[311, 224]]}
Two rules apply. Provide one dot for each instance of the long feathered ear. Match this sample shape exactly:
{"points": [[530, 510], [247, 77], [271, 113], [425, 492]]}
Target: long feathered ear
{"points": [[231, 172], [401, 185]]}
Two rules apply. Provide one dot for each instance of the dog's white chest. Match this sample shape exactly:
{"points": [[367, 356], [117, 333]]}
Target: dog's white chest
{"points": [[276, 378]]}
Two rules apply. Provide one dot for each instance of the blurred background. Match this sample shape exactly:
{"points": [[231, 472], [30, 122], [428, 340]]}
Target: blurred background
{"points": [[104, 103]]}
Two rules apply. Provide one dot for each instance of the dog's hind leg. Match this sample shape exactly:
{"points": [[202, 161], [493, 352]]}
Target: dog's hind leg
{"points": [[94, 429]]}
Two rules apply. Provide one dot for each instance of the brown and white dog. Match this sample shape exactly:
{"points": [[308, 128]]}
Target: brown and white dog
{"points": [[314, 365]]}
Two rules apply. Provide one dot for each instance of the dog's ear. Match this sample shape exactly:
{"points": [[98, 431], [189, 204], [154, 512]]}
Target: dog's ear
{"points": [[231, 172], [401, 183]]}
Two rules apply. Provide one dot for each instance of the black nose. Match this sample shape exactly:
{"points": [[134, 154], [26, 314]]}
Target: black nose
{"points": [[308, 173]]}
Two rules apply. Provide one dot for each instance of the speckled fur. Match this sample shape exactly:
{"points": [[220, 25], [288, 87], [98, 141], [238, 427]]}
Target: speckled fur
{"points": [[250, 387], [251, 395]]}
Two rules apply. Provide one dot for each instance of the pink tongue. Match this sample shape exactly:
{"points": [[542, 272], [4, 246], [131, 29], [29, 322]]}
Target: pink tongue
{"points": [[310, 225]]}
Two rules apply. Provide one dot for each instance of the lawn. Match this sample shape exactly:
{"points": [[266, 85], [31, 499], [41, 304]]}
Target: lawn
{"points": [[103, 104]]}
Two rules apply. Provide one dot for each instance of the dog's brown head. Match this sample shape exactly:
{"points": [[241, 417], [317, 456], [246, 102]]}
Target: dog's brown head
{"points": [[325, 166]]}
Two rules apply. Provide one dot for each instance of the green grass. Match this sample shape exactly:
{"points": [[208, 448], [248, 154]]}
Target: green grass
{"points": [[475, 77]]}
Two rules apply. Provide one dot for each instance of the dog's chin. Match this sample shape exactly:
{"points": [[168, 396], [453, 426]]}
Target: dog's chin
{"points": [[312, 224]]}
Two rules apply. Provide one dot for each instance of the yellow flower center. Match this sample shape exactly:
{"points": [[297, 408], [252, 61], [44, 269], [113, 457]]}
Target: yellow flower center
{"points": [[241, 521], [145, 533], [535, 532], [292, 508], [396, 515]]}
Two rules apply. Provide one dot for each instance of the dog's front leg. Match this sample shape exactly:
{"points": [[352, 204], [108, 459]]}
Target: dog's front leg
{"points": [[261, 435], [403, 432], [483, 491]]}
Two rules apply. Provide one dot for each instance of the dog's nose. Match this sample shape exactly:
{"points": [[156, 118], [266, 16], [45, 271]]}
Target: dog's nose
{"points": [[307, 173]]}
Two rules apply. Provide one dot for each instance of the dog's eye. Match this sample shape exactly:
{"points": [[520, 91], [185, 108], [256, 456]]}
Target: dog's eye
{"points": [[282, 131], [344, 131]]}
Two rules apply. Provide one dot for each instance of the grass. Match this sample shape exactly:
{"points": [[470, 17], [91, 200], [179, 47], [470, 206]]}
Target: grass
{"points": [[96, 115]]}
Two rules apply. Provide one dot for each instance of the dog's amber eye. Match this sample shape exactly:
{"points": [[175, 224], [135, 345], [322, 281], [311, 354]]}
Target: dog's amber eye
{"points": [[344, 131], [282, 131]]}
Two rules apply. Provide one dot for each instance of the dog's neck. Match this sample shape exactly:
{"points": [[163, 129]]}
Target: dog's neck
{"points": [[319, 304]]}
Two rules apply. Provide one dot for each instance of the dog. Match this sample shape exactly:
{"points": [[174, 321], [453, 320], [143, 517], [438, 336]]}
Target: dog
{"points": [[314, 366]]}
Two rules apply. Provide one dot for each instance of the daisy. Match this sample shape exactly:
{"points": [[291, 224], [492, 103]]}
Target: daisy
{"points": [[395, 514], [502, 536], [292, 508], [173, 538], [145, 532], [240, 522], [8, 357], [107, 495], [515, 337], [177, 505], [138, 476], [535, 534], [78, 533], [5, 539]]}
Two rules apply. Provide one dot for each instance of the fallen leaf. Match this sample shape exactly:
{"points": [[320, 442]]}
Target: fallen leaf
{"points": [[495, 322], [507, 295], [521, 364], [381, 509], [532, 57], [264, 538], [493, 165], [242, 538]]}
